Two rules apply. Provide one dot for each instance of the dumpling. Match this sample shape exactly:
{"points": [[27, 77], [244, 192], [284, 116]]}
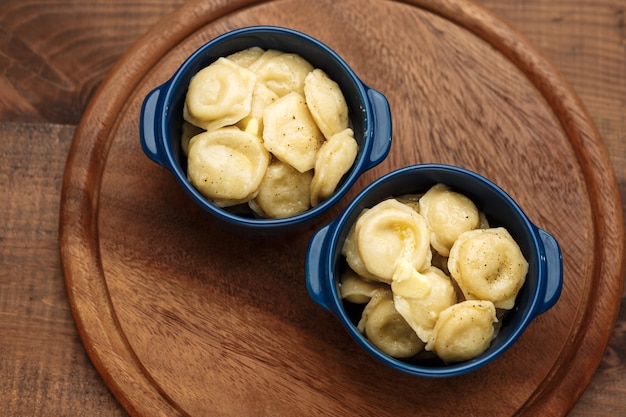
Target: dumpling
{"points": [[483, 223], [246, 57], [421, 296], [290, 133], [284, 192], [463, 331], [335, 157], [488, 264], [353, 258], [188, 131], [411, 200], [219, 95], [388, 232], [448, 214], [326, 103], [357, 290], [261, 98], [264, 58], [407, 282], [281, 72], [387, 329], [227, 165]]}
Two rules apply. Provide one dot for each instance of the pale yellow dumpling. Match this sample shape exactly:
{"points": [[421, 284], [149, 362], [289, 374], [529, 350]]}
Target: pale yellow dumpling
{"points": [[227, 165], [421, 296], [387, 329], [219, 95], [353, 258], [188, 131], [356, 289], [282, 73], [448, 214], [261, 98], [326, 103], [388, 232], [264, 58], [488, 264], [463, 331], [246, 57], [284, 192], [290, 133], [335, 157], [411, 200]]}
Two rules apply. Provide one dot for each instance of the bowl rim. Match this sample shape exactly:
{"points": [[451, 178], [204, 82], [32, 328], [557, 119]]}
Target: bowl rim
{"points": [[454, 369], [360, 165]]}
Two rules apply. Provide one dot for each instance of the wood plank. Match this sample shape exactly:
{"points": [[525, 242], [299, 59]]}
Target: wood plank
{"points": [[44, 369], [53, 55]]}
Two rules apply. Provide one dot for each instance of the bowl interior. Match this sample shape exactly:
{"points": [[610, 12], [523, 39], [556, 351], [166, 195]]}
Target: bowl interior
{"points": [[319, 55], [500, 210]]}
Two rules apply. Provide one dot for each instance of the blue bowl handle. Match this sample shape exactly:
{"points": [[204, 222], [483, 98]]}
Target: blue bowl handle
{"points": [[381, 141], [554, 271], [315, 268], [149, 127]]}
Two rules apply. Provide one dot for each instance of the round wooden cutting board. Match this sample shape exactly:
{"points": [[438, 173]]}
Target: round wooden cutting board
{"points": [[181, 317]]}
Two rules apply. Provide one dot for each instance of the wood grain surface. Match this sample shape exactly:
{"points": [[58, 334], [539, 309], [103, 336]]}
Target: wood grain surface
{"points": [[55, 54]]}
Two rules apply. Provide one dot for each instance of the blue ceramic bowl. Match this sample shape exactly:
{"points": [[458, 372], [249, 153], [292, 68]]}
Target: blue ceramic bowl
{"points": [[540, 292], [162, 110]]}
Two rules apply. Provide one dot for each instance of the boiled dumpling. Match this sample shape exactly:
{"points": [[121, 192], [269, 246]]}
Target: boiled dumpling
{"points": [[261, 98], [284, 192], [351, 253], [448, 214], [421, 296], [290, 133], [488, 264], [227, 165], [411, 200], [335, 157], [188, 131], [219, 95], [281, 72], [386, 329], [483, 222], [357, 290], [326, 103], [440, 262], [388, 232], [463, 331], [264, 58], [246, 57]]}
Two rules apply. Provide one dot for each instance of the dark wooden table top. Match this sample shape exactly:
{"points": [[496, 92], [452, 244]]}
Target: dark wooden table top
{"points": [[53, 56]]}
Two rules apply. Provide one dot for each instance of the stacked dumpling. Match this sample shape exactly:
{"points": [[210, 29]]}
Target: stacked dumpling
{"points": [[266, 129], [432, 274]]}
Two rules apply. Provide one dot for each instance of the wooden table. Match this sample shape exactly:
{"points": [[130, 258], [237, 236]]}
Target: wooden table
{"points": [[53, 56]]}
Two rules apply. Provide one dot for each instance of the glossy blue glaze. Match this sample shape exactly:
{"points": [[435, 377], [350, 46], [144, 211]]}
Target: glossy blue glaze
{"points": [[540, 292], [161, 118]]}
